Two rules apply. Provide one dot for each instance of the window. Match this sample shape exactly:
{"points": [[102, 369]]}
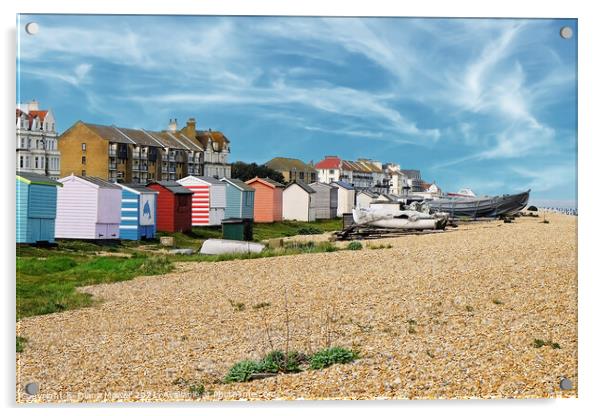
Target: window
{"points": [[23, 142], [83, 160], [36, 162], [83, 172], [301, 175], [21, 162], [331, 171], [83, 147]]}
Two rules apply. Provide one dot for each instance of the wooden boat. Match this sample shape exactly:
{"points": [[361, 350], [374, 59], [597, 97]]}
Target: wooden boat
{"points": [[403, 220], [481, 207]]}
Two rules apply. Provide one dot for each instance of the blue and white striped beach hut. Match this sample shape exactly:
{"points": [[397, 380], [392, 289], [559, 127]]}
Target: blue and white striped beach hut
{"points": [[138, 212]]}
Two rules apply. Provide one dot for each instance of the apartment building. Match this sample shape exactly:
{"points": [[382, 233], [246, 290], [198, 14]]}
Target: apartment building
{"points": [[37, 147], [121, 154]]}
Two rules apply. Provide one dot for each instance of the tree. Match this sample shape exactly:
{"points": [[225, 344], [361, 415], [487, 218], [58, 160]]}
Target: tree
{"points": [[245, 171]]}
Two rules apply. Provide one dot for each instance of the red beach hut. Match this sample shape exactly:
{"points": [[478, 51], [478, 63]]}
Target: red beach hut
{"points": [[174, 206], [268, 199]]}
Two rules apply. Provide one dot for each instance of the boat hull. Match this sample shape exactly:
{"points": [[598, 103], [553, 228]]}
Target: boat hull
{"points": [[481, 207]]}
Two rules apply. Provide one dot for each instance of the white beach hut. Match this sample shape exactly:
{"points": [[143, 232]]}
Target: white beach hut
{"points": [[364, 199], [346, 197], [298, 202]]}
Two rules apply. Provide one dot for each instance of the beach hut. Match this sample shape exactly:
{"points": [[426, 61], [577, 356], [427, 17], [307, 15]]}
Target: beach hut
{"points": [[268, 199], [240, 199], [298, 202], [174, 206], [36, 208], [326, 200], [346, 197], [364, 199], [208, 199], [88, 208], [138, 212]]}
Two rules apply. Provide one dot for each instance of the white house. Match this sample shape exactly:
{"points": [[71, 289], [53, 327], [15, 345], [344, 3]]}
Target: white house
{"points": [[298, 202], [37, 141]]}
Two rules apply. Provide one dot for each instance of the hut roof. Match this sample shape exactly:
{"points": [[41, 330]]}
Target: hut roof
{"points": [[138, 187], [174, 187], [344, 185], [101, 183], [35, 178], [239, 184], [267, 181], [303, 186], [209, 179]]}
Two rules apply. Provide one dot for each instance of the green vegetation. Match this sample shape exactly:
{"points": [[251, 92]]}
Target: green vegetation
{"points": [[290, 228], [238, 306], [355, 245], [330, 356], [196, 390], [538, 343], [411, 326], [47, 285], [379, 246], [280, 362], [261, 305], [497, 302], [21, 343], [469, 308]]}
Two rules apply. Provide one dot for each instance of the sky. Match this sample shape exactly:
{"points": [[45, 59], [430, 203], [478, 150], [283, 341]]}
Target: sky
{"points": [[489, 104]]}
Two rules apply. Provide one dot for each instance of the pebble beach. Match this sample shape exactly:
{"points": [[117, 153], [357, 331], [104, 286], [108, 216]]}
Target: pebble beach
{"points": [[456, 314]]}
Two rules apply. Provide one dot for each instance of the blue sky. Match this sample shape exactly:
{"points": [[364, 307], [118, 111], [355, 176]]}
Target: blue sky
{"points": [[486, 103]]}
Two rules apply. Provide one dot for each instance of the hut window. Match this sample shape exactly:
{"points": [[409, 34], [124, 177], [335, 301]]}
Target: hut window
{"points": [[83, 160], [83, 147], [83, 172]]}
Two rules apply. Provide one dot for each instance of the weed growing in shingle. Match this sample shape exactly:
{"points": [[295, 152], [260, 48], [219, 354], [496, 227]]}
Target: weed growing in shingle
{"points": [[327, 357], [279, 362], [21, 343], [196, 390], [238, 306], [538, 343], [242, 371], [430, 354], [261, 305], [469, 308], [411, 326], [497, 302], [380, 246], [354, 245]]}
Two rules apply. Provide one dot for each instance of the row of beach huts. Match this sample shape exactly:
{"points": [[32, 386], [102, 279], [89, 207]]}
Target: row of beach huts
{"points": [[84, 207]]}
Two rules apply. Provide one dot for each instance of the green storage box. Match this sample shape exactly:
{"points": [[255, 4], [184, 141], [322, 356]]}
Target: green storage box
{"points": [[237, 229]]}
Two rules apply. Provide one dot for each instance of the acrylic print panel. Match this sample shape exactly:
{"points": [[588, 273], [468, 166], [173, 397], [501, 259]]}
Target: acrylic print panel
{"points": [[422, 178]]}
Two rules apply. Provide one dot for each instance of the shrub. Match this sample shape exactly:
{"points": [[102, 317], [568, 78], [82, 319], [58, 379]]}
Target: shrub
{"points": [[196, 390], [538, 343], [262, 305], [279, 362], [309, 231], [238, 306], [242, 371], [330, 356], [354, 245]]}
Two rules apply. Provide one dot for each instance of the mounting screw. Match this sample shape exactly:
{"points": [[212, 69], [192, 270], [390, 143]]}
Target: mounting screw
{"points": [[566, 384], [32, 28], [32, 388], [566, 32]]}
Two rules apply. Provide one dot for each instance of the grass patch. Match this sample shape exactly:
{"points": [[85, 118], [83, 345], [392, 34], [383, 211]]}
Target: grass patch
{"points": [[264, 231], [330, 356], [47, 286], [379, 246], [238, 306], [538, 343], [354, 245], [21, 343], [261, 305]]}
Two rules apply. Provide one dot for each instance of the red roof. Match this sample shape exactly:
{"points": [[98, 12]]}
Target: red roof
{"points": [[330, 162], [41, 114]]}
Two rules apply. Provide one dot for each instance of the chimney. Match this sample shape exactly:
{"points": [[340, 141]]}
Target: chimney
{"points": [[32, 106], [173, 125], [190, 129]]}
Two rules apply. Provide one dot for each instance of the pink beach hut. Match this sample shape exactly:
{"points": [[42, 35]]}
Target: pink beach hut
{"points": [[87, 208]]}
